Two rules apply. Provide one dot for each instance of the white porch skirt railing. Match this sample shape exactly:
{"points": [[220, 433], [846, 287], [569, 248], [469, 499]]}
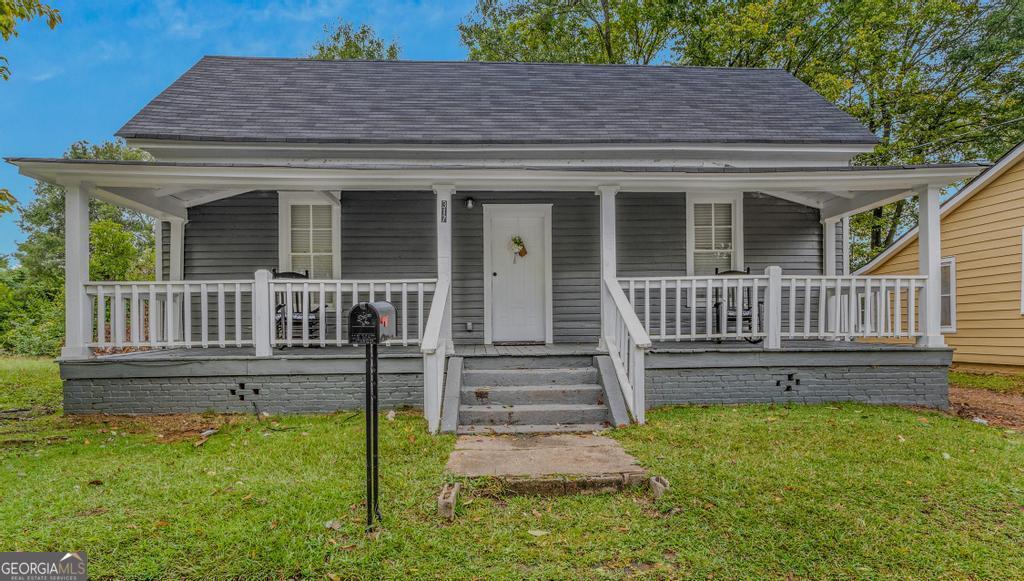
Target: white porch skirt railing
{"points": [[261, 312], [775, 307], [627, 343], [435, 348]]}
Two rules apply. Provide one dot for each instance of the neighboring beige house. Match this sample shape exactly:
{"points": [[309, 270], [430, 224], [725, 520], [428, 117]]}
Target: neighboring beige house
{"points": [[982, 238]]}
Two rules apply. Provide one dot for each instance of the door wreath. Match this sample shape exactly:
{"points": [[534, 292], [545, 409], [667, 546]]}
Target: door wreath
{"points": [[518, 247]]}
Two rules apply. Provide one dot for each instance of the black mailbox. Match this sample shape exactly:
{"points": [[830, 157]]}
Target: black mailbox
{"points": [[370, 323]]}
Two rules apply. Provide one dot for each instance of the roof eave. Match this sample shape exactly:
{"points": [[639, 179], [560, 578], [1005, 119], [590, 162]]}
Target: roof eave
{"points": [[976, 184]]}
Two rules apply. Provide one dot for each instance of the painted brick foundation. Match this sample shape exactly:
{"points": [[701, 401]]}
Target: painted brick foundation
{"points": [[924, 385], [269, 393]]}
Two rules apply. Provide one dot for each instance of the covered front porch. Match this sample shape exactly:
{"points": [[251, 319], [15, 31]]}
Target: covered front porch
{"points": [[625, 277]]}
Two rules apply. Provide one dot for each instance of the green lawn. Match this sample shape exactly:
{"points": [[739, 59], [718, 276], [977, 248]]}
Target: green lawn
{"points": [[1001, 383], [816, 491]]}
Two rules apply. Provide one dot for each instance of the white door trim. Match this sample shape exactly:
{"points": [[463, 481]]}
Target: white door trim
{"points": [[543, 210]]}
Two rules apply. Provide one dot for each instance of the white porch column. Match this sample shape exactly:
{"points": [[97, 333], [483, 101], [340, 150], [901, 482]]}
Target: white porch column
{"points": [[930, 265], [176, 268], [846, 246], [77, 310], [444, 193], [609, 264], [828, 267]]}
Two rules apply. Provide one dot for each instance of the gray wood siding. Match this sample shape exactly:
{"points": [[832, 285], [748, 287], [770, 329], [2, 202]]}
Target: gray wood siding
{"points": [[777, 232], [651, 234], [393, 235], [575, 263], [388, 235], [231, 238]]}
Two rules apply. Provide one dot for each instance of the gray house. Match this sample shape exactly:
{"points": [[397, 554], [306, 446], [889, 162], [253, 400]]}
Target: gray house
{"points": [[565, 245]]}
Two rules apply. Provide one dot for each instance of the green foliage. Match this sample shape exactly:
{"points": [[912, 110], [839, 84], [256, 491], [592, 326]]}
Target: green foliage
{"points": [[345, 42], [42, 252], [999, 382], [935, 80], [586, 31], [32, 292], [14, 11]]}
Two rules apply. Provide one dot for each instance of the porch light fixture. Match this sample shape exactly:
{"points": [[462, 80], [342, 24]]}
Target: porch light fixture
{"points": [[469, 203]]}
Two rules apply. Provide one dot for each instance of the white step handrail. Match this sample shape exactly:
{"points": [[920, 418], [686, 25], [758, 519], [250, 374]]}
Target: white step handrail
{"points": [[435, 352], [627, 344]]}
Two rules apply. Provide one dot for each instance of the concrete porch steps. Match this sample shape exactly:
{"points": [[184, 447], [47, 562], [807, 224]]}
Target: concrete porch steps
{"points": [[534, 429], [529, 395]]}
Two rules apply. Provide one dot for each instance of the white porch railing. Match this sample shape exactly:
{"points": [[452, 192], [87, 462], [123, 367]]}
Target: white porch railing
{"points": [[260, 312], [851, 306], [772, 307], [169, 314], [698, 307], [627, 343], [435, 353], [315, 312]]}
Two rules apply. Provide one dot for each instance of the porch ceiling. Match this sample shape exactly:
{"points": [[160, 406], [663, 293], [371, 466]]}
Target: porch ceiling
{"points": [[167, 189]]}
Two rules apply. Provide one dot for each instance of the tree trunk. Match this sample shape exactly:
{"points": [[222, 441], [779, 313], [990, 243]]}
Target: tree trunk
{"points": [[606, 32], [894, 224], [876, 228]]}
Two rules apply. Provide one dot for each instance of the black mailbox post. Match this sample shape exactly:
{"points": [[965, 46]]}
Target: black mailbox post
{"points": [[369, 324]]}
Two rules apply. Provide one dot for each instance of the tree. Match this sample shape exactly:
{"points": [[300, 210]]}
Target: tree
{"points": [[347, 43], [14, 11], [41, 254], [935, 80], [585, 31], [32, 292]]}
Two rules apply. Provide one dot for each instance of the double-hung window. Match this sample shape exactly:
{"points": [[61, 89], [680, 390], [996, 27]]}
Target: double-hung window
{"points": [[714, 236], [947, 294], [309, 235]]}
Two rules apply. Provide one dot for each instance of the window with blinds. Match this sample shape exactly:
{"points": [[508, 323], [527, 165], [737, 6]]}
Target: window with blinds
{"points": [[712, 237], [312, 240]]}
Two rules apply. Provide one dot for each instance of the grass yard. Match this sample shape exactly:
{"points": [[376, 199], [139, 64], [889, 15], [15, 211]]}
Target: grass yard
{"points": [[812, 491], [1000, 383]]}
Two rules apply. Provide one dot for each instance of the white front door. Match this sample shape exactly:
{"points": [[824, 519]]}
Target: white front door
{"points": [[517, 285]]}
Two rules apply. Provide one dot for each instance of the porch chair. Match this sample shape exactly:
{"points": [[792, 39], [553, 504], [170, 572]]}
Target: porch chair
{"points": [[738, 316], [281, 313]]}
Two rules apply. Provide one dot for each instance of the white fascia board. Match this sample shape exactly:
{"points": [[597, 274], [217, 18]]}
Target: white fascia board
{"points": [[302, 149], [977, 184], [255, 176]]}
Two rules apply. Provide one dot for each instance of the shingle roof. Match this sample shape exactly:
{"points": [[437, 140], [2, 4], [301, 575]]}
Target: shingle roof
{"points": [[303, 100]]}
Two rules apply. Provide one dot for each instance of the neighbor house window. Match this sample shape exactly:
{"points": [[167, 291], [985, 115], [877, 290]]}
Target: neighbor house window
{"points": [[714, 237], [947, 294], [309, 237]]}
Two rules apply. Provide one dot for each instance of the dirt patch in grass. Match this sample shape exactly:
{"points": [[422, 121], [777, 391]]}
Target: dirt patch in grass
{"points": [[999, 409], [167, 428]]}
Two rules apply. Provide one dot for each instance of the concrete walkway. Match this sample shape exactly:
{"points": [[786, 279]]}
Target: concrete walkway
{"points": [[547, 464]]}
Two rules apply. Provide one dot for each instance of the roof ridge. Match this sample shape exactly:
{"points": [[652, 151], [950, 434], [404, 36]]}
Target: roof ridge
{"points": [[666, 66]]}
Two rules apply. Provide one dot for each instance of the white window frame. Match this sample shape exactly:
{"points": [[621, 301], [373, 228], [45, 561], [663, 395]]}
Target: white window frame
{"points": [[284, 227], [736, 199], [951, 262]]}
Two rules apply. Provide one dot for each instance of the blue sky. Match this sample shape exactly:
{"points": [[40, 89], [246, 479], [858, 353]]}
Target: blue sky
{"points": [[84, 79]]}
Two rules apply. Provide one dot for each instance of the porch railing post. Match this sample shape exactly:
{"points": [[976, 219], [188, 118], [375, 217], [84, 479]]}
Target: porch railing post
{"points": [[261, 316], [773, 314]]}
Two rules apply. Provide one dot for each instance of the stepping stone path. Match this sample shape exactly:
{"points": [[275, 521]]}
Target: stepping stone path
{"points": [[547, 464]]}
